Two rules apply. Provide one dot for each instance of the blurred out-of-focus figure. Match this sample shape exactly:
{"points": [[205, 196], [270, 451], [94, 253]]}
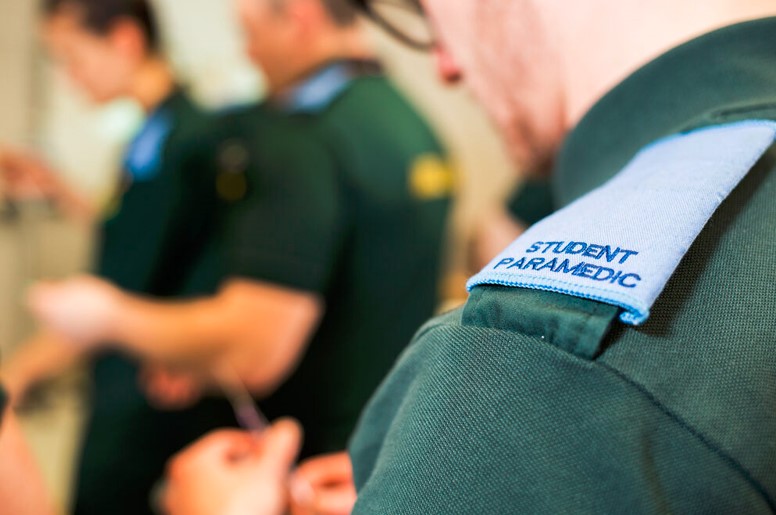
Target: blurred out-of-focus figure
{"points": [[150, 240], [331, 249]]}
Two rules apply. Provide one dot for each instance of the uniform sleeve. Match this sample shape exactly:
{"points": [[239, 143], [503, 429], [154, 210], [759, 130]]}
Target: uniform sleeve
{"points": [[478, 420], [289, 227]]}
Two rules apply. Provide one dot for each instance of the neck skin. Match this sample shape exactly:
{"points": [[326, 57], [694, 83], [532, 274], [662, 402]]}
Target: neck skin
{"points": [[334, 44], [152, 83], [591, 65]]}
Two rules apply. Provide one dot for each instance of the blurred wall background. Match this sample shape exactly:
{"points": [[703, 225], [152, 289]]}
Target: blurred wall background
{"points": [[38, 109]]}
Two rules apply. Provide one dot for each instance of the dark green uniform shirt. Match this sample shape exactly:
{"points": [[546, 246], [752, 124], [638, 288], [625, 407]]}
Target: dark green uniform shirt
{"points": [[348, 198], [532, 201], [150, 244], [534, 402]]}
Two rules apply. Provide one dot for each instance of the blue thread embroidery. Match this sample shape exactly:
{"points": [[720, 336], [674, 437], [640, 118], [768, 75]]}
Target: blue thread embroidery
{"points": [[625, 253], [577, 269]]}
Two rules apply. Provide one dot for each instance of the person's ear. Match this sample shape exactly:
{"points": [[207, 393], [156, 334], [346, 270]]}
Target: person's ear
{"points": [[447, 67], [129, 39]]}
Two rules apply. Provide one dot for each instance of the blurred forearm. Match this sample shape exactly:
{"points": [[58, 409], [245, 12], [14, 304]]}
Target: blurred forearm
{"points": [[22, 491], [43, 357], [260, 331], [26, 177]]}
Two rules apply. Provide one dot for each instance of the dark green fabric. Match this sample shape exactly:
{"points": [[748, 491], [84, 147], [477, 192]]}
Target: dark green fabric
{"points": [[290, 225], [494, 410], [330, 211], [151, 245], [532, 201]]}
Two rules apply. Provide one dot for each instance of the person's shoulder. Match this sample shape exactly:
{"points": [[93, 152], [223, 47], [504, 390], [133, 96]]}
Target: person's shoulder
{"points": [[373, 124], [449, 319], [374, 96], [289, 148], [187, 113], [194, 129]]}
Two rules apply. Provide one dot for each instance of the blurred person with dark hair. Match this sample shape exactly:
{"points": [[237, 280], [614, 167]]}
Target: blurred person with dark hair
{"points": [[150, 240], [333, 243]]}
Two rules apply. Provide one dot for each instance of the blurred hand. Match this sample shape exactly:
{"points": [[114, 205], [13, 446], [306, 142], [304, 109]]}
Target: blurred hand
{"points": [[82, 310], [233, 473], [323, 486], [170, 389], [24, 176]]}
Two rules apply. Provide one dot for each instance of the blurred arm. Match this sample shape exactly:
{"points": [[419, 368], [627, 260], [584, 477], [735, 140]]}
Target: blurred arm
{"points": [[42, 357], [21, 486], [259, 329], [26, 177]]}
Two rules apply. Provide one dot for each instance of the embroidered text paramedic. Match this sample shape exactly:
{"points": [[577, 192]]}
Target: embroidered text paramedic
{"points": [[595, 271]]}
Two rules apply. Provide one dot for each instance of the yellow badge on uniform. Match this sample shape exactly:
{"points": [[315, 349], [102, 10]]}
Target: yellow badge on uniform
{"points": [[231, 182], [111, 208], [431, 177]]}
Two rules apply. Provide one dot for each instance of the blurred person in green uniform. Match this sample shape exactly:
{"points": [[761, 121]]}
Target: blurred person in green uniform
{"points": [[149, 243], [332, 245], [618, 356]]}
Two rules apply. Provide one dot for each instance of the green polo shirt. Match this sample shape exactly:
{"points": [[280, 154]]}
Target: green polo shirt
{"points": [[348, 200], [150, 244], [532, 201], [534, 402]]}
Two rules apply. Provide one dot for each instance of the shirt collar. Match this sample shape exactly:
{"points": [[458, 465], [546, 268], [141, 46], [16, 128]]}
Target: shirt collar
{"points": [[320, 89], [718, 77], [142, 160]]}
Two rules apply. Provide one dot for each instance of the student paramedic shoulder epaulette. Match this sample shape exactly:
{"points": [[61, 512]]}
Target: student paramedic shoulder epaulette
{"points": [[621, 243]]}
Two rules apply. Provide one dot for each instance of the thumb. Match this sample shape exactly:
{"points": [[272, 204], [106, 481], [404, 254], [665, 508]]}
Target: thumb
{"points": [[280, 446]]}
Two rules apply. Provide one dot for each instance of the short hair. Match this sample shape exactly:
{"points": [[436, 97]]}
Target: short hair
{"points": [[342, 12], [99, 16]]}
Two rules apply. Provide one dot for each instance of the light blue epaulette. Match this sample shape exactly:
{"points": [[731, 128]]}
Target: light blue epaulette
{"points": [[621, 243]]}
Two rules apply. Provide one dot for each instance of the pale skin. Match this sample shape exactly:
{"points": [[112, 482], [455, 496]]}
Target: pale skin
{"points": [[323, 486], [537, 66], [562, 62], [258, 329], [22, 491], [248, 474]]}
